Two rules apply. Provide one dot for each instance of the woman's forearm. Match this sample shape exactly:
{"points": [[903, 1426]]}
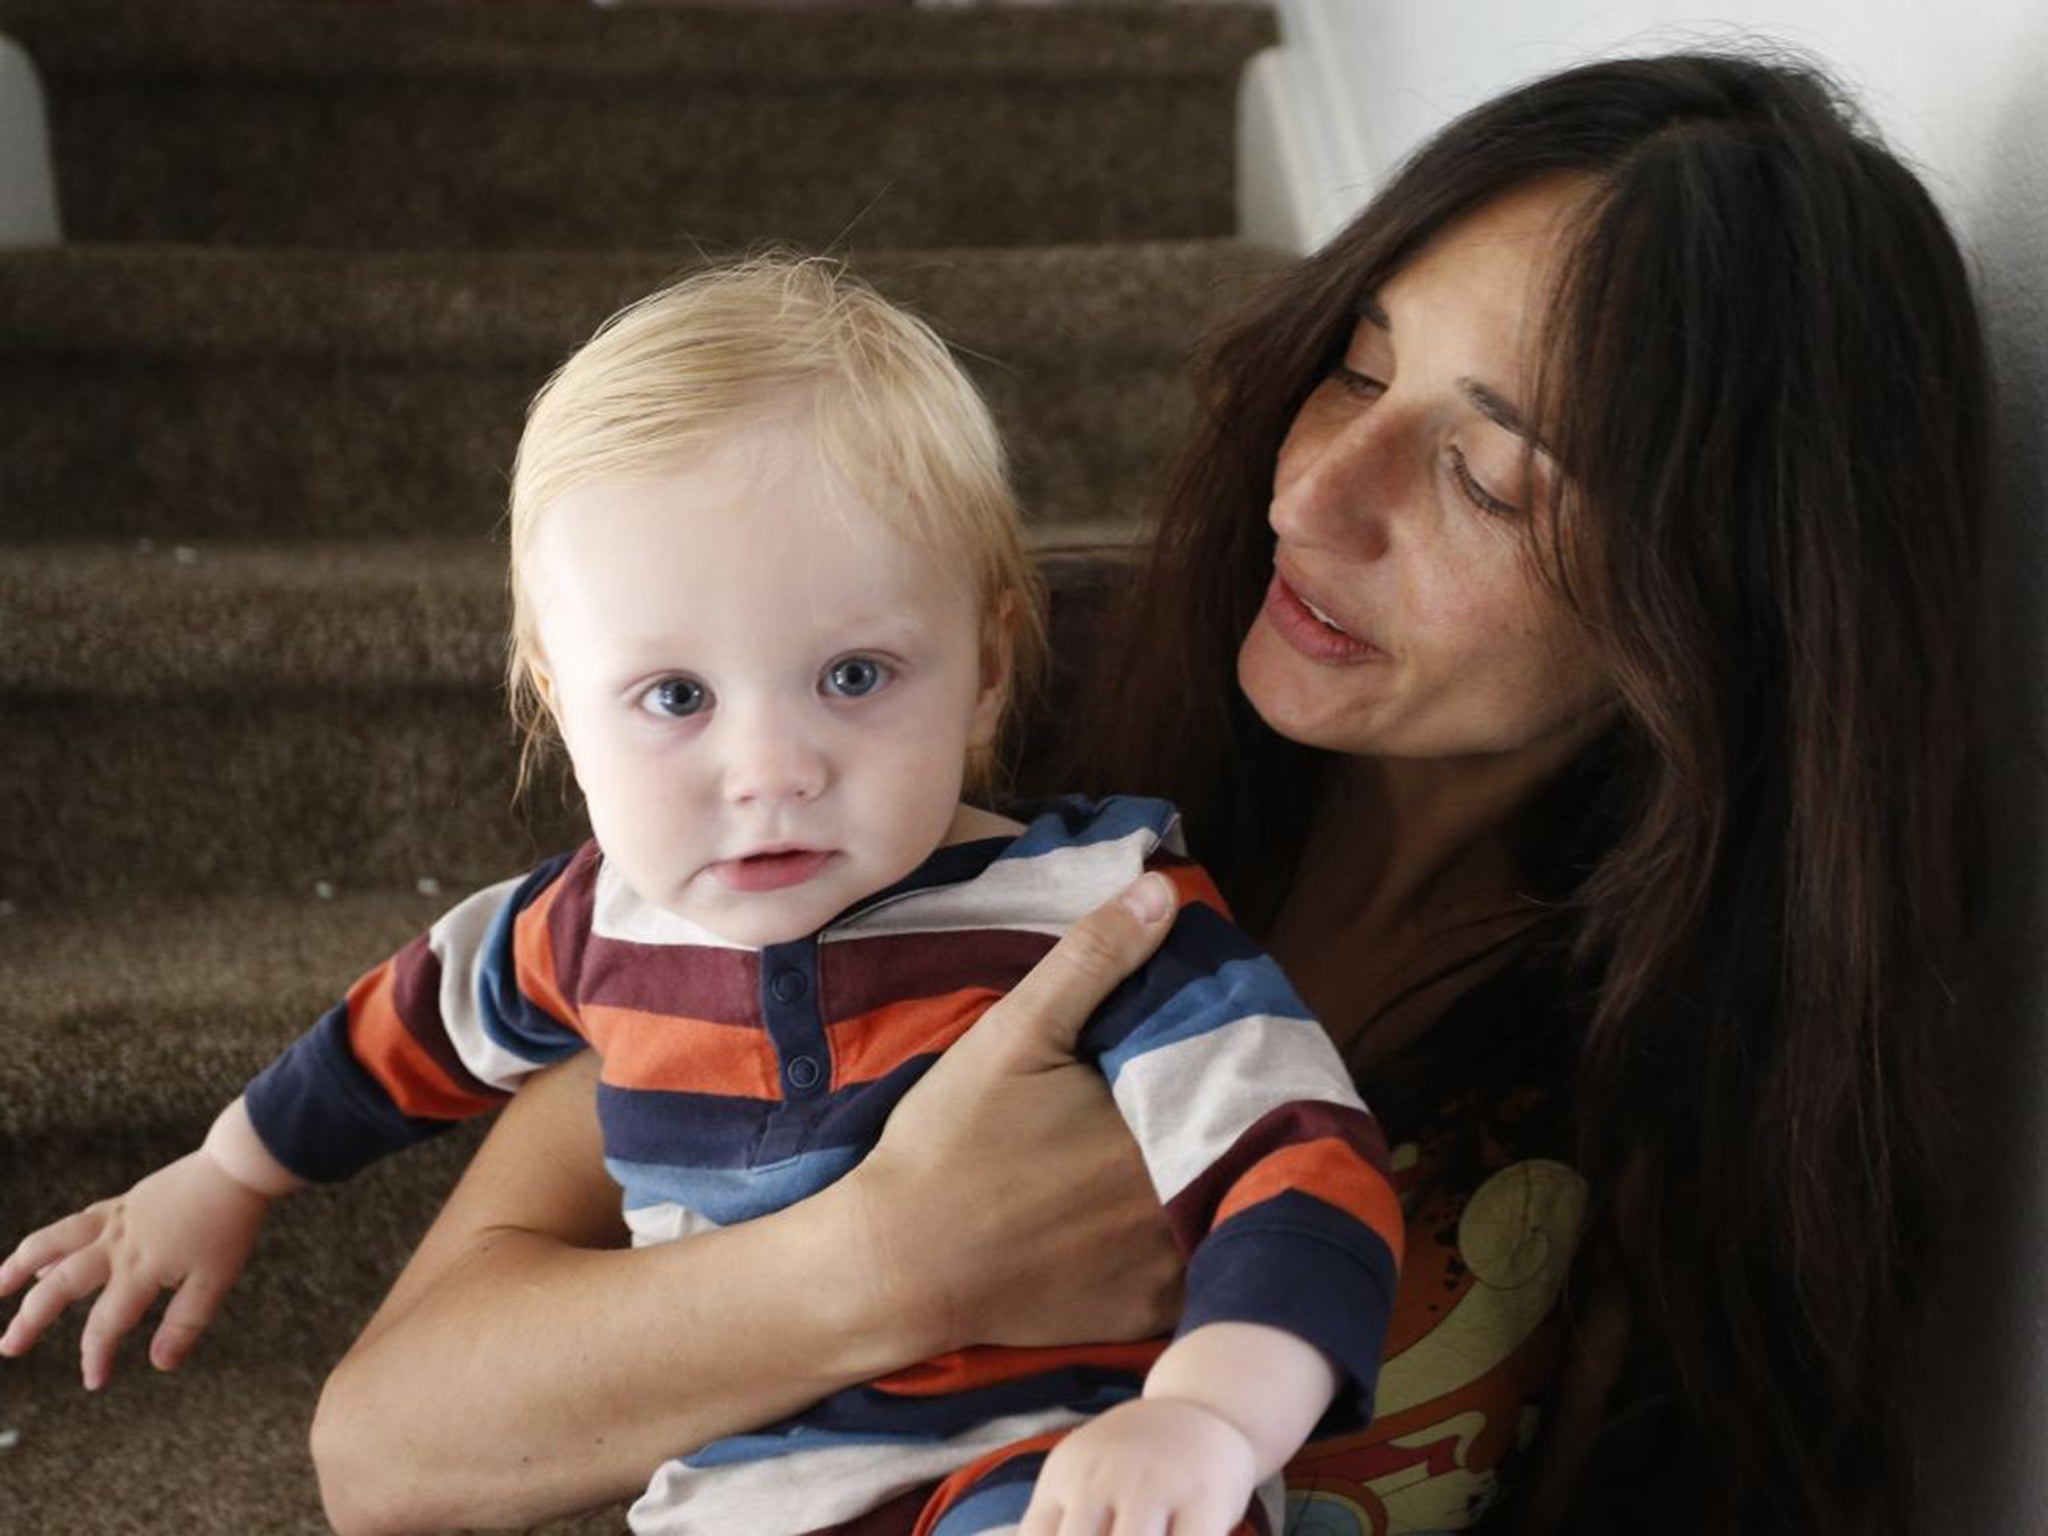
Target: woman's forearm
{"points": [[517, 1372]]}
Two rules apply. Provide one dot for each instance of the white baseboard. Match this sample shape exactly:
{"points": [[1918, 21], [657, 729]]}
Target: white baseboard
{"points": [[1303, 168], [28, 181]]}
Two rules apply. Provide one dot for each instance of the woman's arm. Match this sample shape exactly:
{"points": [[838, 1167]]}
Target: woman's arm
{"points": [[524, 1365]]}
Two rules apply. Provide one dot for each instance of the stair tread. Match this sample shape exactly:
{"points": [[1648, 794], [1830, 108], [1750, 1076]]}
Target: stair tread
{"points": [[1142, 299], [155, 1010], [684, 44]]}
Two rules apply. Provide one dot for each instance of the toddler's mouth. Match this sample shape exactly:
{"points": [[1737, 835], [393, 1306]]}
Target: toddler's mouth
{"points": [[772, 869]]}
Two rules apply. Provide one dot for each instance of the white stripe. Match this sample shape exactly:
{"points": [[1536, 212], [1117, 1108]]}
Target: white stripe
{"points": [[458, 943], [665, 1223], [807, 1489], [1046, 894], [1188, 1102], [619, 912]]}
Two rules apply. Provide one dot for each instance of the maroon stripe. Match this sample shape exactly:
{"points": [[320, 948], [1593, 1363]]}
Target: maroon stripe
{"points": [[416, 994], [720, 986], [569, 919], [1192, 1212], [859, 975]]}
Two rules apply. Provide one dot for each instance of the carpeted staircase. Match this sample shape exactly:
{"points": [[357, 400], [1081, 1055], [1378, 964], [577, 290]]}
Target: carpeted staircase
{"points": [[260, 413]]}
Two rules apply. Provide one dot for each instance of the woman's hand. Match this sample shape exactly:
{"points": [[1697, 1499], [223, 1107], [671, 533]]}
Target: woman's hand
{"points": [[1008, 1167]]}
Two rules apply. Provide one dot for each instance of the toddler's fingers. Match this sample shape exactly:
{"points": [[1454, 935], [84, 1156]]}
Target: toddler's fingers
{"points": [[1041, 1517], [190, 1314], [113, 1317], [45, 1246], [73, 1278]]}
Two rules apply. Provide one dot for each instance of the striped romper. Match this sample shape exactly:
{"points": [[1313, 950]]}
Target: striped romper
{"points": [[736, 1081]]}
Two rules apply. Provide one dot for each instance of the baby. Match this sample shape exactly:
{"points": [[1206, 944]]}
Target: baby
{"points": [[768, 587]]}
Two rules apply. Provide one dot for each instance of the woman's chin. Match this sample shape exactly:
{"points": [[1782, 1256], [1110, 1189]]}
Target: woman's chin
{"points": [[1294, 696]]}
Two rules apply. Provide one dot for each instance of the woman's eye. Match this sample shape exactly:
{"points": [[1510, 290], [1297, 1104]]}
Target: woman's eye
{"points": [[1476, 493], [1363, 385], [855, 677], [677, 697]]}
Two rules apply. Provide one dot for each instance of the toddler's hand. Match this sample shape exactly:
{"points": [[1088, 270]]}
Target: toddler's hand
{"points": [[187, 1227], [1156, 1464]]}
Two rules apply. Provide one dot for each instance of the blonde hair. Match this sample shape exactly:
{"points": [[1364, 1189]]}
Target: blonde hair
{"points": [[779, 336]]}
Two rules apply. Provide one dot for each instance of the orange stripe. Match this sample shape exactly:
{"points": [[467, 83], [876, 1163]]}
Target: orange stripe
{"points": [[871, 1045], [1333, 1172], [378, 1038], [1193, 884], [533, 957], [961, 1483], [678, 1055], [986, 1365]]}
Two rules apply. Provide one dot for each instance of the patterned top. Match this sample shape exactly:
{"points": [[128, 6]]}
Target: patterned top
{"points": [[736, 1081]]}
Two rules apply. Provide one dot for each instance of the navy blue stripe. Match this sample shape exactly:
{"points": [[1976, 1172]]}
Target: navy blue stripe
{"points": [[867, 1410], [321, 1115], [713, 1130], [1309, 1269]]}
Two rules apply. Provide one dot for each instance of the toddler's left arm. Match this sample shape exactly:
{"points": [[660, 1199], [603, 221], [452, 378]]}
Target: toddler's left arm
{"points": [[1223, 1410]]}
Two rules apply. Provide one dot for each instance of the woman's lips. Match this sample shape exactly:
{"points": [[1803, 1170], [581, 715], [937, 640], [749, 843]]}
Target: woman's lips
{"points": [[771, 871], [1295, 623]]}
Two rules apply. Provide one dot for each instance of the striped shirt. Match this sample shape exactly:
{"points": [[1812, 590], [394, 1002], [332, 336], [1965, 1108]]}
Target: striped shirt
{"points": [[736, 1081]]}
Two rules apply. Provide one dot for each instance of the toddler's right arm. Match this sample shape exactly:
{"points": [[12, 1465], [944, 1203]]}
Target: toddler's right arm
{"points": [[187, 1228], [400, 1060]]}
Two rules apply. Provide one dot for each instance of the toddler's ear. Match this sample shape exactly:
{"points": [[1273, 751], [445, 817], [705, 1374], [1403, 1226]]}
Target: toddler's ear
{"points": [[996, 657]]}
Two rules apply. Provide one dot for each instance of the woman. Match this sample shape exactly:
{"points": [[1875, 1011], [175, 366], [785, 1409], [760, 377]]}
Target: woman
{"points": [[1557, 639]]}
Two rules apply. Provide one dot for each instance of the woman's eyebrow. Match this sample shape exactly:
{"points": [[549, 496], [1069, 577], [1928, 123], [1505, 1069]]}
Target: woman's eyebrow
{"points": [[1498, 411]]}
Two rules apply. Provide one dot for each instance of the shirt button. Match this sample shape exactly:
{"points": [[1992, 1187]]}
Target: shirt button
{"points": [[788, 986], [803, 1073]]}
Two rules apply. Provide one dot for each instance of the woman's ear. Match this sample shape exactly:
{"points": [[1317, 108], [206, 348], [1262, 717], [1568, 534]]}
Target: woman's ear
{"points": [[997, 654]]}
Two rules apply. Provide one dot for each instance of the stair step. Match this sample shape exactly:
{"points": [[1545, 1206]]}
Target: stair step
{"points": [[546, 126], [255, 718], [185, 392], [154, 1013]]}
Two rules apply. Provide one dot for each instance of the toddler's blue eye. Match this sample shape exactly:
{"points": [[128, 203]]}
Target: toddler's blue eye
{"points": [[678, 697], [855, 677]]}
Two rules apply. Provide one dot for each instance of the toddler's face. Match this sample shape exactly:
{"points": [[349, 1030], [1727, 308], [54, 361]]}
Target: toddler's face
{"points": [[767, 694]]}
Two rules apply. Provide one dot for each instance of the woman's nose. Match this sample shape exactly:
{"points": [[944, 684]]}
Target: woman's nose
{"points": [[1340, 486]]}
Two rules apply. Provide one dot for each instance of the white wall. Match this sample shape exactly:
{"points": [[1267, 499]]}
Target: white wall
{"points": [[1961, 92]]}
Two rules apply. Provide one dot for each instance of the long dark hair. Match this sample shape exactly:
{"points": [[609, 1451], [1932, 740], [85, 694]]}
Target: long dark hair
{"points": [[1765, 379]]}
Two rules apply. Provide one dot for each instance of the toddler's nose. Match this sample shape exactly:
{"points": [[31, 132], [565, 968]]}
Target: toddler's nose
{"points": [[769, 762]]}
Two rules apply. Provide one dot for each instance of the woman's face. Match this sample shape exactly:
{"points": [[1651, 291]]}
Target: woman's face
{"points": [[1407, 617]]}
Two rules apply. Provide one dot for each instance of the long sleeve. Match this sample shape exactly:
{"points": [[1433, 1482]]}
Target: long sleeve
{"points": [[1273, 1173], [440, 1032]]}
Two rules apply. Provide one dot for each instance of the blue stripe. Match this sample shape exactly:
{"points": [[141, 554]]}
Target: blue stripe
{"points": [[511, 1019], [1077, 822], [729, 1195], [993, 1507], [1207, 975]]}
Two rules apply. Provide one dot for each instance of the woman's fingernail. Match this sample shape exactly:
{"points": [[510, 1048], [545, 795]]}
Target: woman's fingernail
{"points": [[1150, 899]]}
